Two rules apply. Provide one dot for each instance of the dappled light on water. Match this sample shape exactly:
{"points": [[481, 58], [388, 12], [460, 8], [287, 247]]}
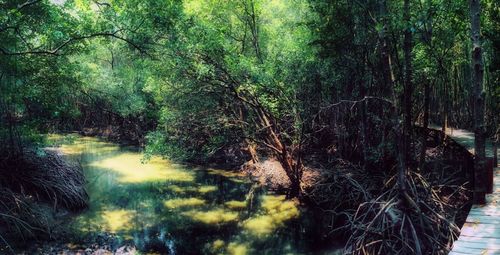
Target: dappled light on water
{"points": [[206, 188], [274, 212], [184, 202], [236, 205], [161, 206], [132, 170], [202, 189], [74, 145], [237, 249], [225, 173], [232, 248], [118, 220], [216, 216]]}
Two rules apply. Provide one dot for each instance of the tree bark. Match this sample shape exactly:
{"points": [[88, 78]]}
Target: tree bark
{"points": [[477, 84], [292, 165], [385, 55], [444, 125], [425, 125], [408, 86]]}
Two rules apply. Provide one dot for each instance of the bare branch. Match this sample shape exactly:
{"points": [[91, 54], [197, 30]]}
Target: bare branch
{"points": [[27, 3], [55, 51], [354, 102], [278, 151], [101, 3]]}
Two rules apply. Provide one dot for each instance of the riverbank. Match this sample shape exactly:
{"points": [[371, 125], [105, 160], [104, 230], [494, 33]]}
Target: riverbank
{"points": [[37, 186]]}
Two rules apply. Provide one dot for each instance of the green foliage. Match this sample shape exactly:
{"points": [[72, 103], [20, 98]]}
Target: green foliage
{"points": [[197, 80], [216, 56], [180, 69]]}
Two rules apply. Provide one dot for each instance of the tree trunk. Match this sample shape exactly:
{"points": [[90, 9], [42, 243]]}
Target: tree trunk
{"points": [[293, 166], [408, 86], [385, 54], [251, 18], [388, 77], [444, 125], [360, 74], [425, 125], [293, 170], [477, 84]]}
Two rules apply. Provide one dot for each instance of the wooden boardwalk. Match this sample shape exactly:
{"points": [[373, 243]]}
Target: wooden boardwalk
{"points": [[481, 231], [480, 234]]}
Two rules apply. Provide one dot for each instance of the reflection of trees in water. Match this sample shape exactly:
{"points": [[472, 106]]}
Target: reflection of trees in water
{"points": [[209, 211]]}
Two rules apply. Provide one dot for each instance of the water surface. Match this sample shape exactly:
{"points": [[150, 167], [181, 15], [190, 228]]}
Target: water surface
{"points": [[169, 208]]}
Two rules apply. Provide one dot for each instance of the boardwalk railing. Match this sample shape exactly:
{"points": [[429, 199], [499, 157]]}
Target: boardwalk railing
{"points": [[481, 232], [466, 139]]}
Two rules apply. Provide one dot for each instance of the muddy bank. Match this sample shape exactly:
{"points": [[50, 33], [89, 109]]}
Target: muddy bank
{"points": [[268, 172]]}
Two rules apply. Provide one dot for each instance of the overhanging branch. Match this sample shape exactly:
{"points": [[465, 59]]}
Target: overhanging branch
{"points": [[56, 50], [26, 4]]}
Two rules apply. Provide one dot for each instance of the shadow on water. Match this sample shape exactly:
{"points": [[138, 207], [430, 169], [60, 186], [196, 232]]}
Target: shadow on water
{"points": [[170, 208]]}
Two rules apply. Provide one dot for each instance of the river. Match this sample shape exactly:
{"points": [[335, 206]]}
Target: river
{"points": [[167, 208]]}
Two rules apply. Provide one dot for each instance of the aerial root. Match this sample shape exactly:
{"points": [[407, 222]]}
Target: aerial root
{"points": [[32, 178], [47, 176], [414, 221]]}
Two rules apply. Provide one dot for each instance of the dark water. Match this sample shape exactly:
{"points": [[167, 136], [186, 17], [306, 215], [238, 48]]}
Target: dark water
{"points": [[167, 208]]}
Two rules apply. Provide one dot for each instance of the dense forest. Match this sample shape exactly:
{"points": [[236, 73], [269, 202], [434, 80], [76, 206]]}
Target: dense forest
{"points": [[341, 106]]}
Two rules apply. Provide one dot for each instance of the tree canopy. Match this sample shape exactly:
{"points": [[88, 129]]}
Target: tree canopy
{"points": [[231, 81]]}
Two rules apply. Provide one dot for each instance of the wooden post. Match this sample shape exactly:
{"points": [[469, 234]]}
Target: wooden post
{"points": [[495, 153], [489, 175]]}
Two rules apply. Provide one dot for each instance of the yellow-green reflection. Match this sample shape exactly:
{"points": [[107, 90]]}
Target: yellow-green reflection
{"points": [[276, 210], [207, 188], [233, 248], [117, 220], [225, 173], [161, 201], [183, 202], [236, 205], [132, 170], [88, 144], [237, 249], [217, 246], [181, 190], [216, 216]]}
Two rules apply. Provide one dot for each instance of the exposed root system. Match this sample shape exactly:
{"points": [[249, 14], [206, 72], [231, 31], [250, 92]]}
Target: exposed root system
{"points": [[32, 186], [416, 221], [47, 176], [21, 217], [380, 217]]}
